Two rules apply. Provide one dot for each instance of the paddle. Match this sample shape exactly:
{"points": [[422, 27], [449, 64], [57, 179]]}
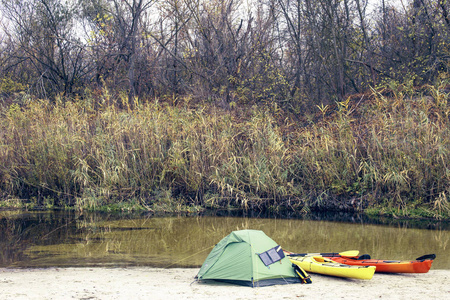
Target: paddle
{"points": [[304, 277], [349, 253]]}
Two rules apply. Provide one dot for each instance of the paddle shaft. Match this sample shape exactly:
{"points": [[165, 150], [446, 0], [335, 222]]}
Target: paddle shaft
{"points": [[316, 254]]}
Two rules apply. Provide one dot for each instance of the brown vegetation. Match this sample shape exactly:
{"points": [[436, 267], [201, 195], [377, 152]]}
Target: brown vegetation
{"points": [[298, 104], [386, 152]]}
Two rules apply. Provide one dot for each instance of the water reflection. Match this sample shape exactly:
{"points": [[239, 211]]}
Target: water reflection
{"points": [[69, 239]]}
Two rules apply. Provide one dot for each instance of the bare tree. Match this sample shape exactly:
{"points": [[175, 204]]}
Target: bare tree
{"points": [[216, 44], [116, 39], [292, 13], [44, 39]]}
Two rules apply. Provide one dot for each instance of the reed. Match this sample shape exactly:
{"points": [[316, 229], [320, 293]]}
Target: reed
{"points": [[394, 154], [388, 152]]}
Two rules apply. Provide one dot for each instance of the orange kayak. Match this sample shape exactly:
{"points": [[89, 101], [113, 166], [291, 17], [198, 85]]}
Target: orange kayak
{"points": [[419, 265]]}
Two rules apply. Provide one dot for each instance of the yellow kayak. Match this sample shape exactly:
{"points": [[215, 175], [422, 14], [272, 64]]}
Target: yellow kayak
{"points": [[325, 266]]}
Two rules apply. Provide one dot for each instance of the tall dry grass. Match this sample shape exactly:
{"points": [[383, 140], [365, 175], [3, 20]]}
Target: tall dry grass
{"points": [[391, 152]]}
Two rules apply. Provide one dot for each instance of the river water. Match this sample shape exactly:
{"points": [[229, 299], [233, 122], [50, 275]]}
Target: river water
{"points": [[68, 239]]}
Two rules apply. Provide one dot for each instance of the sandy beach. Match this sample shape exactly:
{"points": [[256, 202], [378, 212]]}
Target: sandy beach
{"points": [[153, 283]]}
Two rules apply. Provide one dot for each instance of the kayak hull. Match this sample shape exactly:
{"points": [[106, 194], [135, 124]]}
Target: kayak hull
{"points": [[388, 266], [325, 266]]}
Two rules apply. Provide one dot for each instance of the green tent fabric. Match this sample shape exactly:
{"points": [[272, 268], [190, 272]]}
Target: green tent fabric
{"points": [[236, 259]]}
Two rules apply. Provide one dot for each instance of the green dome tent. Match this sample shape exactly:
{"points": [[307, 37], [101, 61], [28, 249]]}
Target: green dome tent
{"points": [[249, 257]]}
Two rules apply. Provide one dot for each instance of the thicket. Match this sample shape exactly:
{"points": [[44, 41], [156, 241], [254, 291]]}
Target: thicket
{"points": [[295, 53], [389, 149]]}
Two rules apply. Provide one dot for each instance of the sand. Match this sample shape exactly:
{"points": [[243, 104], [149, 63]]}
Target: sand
{"points": [[153, 283]]}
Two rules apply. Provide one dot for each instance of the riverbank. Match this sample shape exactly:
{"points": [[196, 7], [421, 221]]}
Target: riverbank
{"points": [[154, 283]]}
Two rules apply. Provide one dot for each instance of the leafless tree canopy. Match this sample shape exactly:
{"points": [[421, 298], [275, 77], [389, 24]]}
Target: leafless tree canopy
{"points": [[230, 52]]}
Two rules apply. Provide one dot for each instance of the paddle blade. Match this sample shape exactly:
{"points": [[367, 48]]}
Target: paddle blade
{"points": [[349, 253], [427, 256], [363, 257]]}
